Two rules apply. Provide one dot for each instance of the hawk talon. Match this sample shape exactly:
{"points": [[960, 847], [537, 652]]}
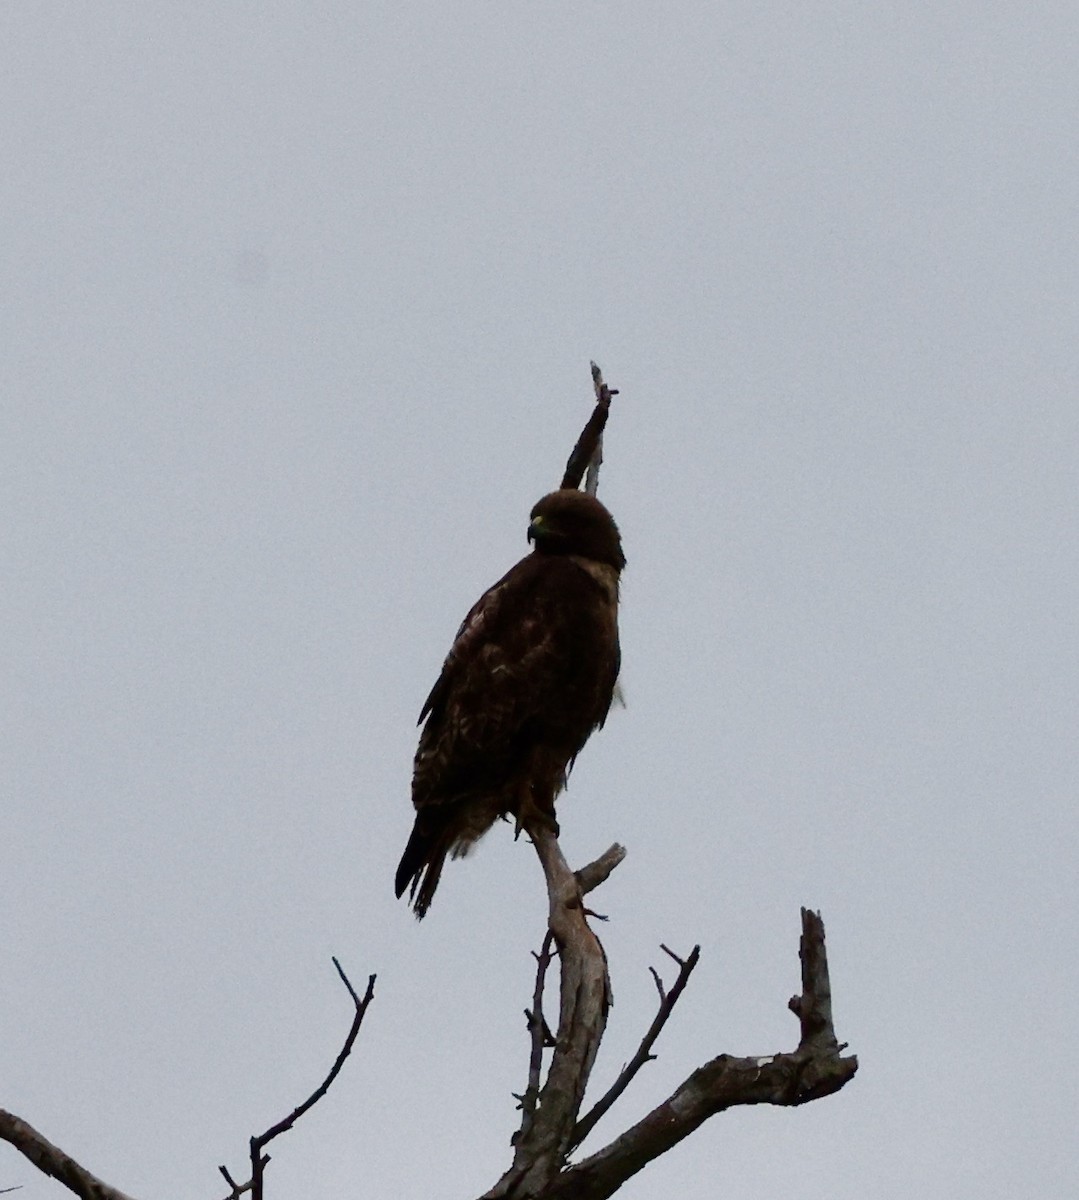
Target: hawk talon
{"points": [[531, 816]]}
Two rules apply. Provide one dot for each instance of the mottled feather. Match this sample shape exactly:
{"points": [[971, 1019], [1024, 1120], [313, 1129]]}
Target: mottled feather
{"points": [[530, 675]]}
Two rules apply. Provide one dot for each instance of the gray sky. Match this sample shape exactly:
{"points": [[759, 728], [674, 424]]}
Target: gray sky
{"points": [[299, 302]]}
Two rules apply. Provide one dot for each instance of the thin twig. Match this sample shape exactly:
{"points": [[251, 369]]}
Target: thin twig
{"points": [[257, 1145], [229, 1180], [659, 984], [588, 452], [238, 1189], [671, 954], [667, 1001], [603, 397], [540, 1036]]}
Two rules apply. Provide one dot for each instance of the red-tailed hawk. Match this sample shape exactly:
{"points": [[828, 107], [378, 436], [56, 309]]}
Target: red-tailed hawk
{"points": [[529, 676]]}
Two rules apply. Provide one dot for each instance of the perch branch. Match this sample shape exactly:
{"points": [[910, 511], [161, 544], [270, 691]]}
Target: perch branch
{"points": [[51, 1160], [259, 1144], [588, 452], [542, 1145], [667, 1001], [815, 1069]]}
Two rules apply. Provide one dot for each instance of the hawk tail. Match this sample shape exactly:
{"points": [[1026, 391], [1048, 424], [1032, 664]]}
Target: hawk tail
{"points": [[420, 868]]}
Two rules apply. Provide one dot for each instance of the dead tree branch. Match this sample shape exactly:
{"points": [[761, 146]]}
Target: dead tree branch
{"points": [[258, 1144], [589, 878], [667, 1001], [587, 454], [540, 1036], [238, 1189], [51, 1160], [542, 1143], [815, 1069]]}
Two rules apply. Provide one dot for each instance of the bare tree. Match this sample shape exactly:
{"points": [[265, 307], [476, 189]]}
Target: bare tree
{"points": [[552, 1126]]}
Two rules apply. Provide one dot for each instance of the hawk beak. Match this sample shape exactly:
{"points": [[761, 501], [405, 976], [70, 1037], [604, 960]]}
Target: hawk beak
{"points": [[535, 527]]}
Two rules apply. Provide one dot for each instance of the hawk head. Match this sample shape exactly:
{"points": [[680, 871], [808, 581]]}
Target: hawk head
{"points": [[572, 522]]}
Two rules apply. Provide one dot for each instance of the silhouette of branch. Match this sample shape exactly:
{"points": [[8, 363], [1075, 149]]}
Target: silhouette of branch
{"points": [[542, 1143], [51, 1160], [588, 878], [259, 1160], [587, 454], [667, 1001], [815, 1069], [238, 1189], [540, 1035]]}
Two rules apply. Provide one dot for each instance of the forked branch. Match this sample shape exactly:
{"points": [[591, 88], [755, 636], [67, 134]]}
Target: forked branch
{"points": [[542, 1143], [667, 1001], [540, 1036], [815, 1069], [259, 1159]]}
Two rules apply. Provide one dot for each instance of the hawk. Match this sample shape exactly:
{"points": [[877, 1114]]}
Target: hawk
{"points": [[528, 678]]}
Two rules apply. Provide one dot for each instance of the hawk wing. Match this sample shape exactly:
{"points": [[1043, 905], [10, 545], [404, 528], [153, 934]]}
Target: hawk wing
{"points": [[529, 676], [535, 660]]}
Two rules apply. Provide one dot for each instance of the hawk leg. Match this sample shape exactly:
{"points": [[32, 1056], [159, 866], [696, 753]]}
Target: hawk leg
{"points": [[532, 813]]}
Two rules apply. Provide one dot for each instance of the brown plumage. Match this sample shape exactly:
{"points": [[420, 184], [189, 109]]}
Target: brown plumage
{"points": [[529, 676]]}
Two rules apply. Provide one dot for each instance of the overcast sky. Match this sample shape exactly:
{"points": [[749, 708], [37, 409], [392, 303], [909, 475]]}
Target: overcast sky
{"points": [[298, 303]]}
